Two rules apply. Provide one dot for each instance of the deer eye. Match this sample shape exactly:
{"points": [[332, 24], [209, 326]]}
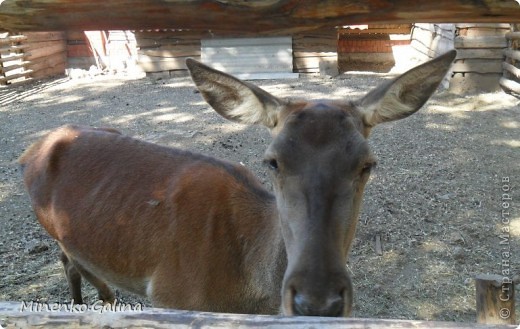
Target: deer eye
{"points": [[367, 167], [272, 164]]}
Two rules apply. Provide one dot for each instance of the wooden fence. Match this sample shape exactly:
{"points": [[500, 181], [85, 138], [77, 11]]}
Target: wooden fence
{"points": [[13, 58], [32, 55], [25, 315], [510, 80]]}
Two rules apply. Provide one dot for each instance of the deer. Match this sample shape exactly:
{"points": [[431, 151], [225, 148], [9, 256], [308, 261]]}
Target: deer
{"points": [[193, 232]]}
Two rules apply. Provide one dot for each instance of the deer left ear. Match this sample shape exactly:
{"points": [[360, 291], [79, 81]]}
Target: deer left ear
{"points": [[234, 99], [407, 93]]}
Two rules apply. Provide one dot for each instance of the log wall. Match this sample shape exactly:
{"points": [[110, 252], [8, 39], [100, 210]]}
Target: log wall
{"points": [[371, 47], [47, 53], [478, 66], [314, 48], [166, 51]]}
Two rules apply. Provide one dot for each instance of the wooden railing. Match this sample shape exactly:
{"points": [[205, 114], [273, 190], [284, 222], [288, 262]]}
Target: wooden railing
{"points": [[19, 315], [13, 59], [511, 79]]}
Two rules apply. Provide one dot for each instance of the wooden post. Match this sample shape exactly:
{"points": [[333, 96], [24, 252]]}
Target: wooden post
{"points": [[495, 299]]}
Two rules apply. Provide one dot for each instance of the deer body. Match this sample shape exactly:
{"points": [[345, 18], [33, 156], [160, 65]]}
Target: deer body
{"points": [[193, 232]]}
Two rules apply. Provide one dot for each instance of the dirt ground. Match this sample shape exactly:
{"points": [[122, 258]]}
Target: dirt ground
{"points": [[435, 199]]}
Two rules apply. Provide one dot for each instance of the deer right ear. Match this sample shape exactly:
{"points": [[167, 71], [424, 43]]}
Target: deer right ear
{"points": [[407, 93], [235, 99]]}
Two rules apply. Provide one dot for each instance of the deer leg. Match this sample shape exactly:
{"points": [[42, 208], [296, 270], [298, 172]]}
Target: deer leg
{"points": [[73, 279], [75, 271]]}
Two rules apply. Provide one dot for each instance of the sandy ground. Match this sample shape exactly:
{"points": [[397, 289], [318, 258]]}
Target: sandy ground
{"points": [[435, 199]]}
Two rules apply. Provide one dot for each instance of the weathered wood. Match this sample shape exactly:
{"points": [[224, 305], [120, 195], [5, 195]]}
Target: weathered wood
{"points": [[12, 39], [403, 29], [481, 42], [12, 58], [477, 66], [483, 25], [49, 62], [495, 299], [242, 16], [513, 54], [513, 35], [12, 317], [151, 64], [44, 36], [171, 51], [11, 77], [9, 49], [482, 53], [250, 56], [511, 69], [56, 48], [4, 69], [510, 85]]}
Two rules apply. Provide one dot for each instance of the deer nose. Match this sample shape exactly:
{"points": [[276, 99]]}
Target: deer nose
{"points": [[333, 306]]}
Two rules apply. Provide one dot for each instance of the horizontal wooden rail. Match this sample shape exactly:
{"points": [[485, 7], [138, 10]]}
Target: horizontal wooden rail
{"points": [[513, 35], [510, 85], [232, 17], [24, 74], [4, 69], [12, 39], [515, 71], [513, 54], [26, 315], [8, 49], [13, 57]]}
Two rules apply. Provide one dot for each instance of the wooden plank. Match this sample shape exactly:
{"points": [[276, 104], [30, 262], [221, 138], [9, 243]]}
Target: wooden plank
{"points": [[495, 299], [249, 55], [12, 57], [4, 69], [513, 54], [480, 53], [481, 42], [11, 77], [245, 42], [50, 71], [12, 49], [48, 61], [45, 36], [170, 64], [483, 25], [298, 54], [513, 35], [181, 52], [248, 17], [12, 39], [511, 69], [375, 31], [510, 85], [477, 66], [13, 317], [47, 51]]}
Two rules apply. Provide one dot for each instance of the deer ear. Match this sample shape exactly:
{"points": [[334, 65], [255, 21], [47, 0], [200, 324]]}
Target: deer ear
{"points": [[405, 94], [235, 99]]}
